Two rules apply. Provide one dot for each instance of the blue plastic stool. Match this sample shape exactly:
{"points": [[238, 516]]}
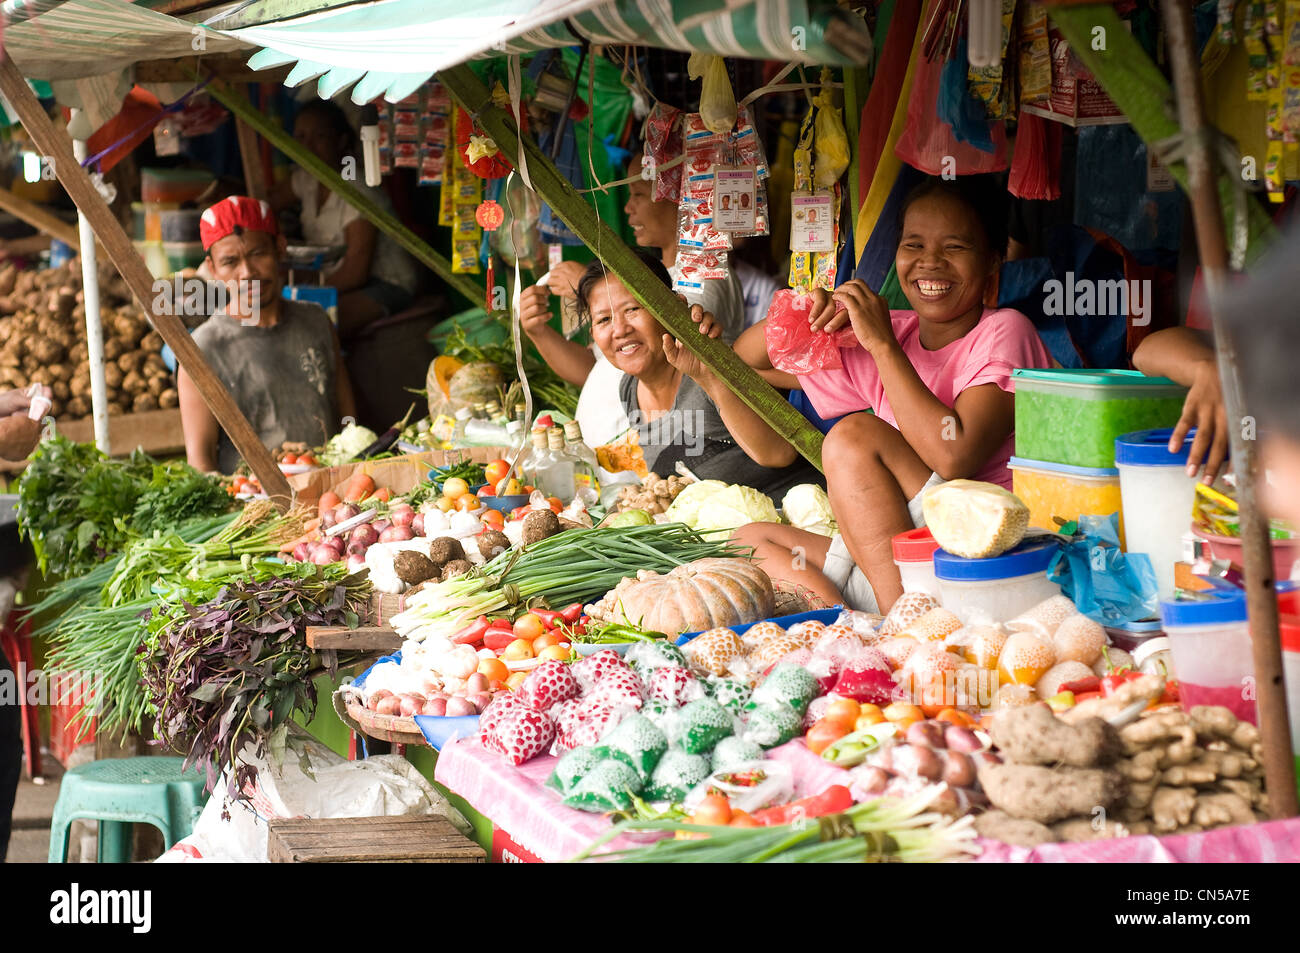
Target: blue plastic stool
{"points": [[119, 792]]}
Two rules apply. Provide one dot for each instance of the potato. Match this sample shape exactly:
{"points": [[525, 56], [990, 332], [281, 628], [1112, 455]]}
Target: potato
{"points": [[46, 350], [144, 402], [78, 407], [157, 385], [168, 398], [131, 361], [116, 409], [113, 349], [113, 375], [133, 383], [79, 353], [151, 342], [61, 390], [57, 408]]}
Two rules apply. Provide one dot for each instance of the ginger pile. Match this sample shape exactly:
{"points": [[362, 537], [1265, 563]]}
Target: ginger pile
{"points": [[1080, 777]]}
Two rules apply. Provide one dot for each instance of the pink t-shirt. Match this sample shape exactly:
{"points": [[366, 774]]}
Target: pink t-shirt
{"points": [[1002, 341]]}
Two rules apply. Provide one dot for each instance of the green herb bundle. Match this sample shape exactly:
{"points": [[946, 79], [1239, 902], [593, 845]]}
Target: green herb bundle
{"points": [[549, 389], [578, 565], [233, 670], [176, 494]]}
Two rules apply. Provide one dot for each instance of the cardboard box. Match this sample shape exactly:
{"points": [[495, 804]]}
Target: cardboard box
{"points": [[399, 474]]}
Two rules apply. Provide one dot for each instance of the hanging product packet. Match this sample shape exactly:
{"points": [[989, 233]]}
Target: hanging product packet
{"points": [[986, 83], [435, 133], [792, 345], [717, 100], [663, 142]]}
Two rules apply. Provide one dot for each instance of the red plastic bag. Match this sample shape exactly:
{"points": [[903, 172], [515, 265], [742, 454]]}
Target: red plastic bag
{"points": [[796, 348], [927, 142]]}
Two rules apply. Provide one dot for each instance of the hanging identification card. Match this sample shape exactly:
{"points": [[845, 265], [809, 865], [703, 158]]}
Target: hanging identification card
{"points": [[1159, 178], [735, 198], [812, 222]]}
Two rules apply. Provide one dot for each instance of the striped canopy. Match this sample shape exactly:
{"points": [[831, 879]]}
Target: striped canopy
{"points": [[390, 47]]}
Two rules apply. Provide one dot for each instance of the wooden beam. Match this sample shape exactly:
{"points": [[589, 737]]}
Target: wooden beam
{"points": [[255, 183], [361, 639], [238, 104], [659, 299], [40, 219], [231, 67], [1256, 544], [56, 146]]}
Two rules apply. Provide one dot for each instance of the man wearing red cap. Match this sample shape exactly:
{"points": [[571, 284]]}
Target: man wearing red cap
{"points": [[279, 359]]}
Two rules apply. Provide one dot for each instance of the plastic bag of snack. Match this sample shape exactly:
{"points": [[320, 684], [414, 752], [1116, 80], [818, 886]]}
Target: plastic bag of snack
{"points": [[675, 775], [712, 652], [772, 725], [790, 685], [637, 741], [735, 751], [748, 786], [702, 724], [573, 767], [609, 786], [792, 345]]}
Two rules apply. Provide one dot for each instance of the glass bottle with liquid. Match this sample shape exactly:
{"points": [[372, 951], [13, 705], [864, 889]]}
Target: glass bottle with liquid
{"points": [[588, 469], [558, 477], [534, 457], [463, 417], [495, 414]]}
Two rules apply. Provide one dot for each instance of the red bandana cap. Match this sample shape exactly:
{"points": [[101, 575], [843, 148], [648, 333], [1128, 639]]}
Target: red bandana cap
{"points": [[236, 212]]}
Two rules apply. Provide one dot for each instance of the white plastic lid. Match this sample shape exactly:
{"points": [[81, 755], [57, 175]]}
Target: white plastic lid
{"points": [[464, 414], [1149, 648]]}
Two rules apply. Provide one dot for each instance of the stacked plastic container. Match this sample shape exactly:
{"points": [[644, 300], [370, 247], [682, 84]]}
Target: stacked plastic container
{"points": [[1066, 424], [166, 233]]}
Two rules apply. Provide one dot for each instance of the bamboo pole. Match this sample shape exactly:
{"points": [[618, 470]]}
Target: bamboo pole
{"points": [[1257, 550], [122, 253], [244, 112], [666, 307], [94, 327]]}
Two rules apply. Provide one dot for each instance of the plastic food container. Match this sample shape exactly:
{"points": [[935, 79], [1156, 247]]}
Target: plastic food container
{"points": [[173, 185], [1130, 636], [1073, 416], [997, 589], [1285, 551], [914, 557], [1057, 489], [1210, 640], [1158, 497], [183, 254]]}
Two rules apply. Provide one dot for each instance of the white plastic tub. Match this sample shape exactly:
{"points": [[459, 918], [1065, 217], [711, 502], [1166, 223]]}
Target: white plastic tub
{"points": [[1210, 642], [997, 589], [1157, 497], [914, 557]]}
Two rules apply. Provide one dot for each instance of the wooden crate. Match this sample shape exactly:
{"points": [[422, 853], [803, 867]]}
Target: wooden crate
{"points": [[370, 840]]}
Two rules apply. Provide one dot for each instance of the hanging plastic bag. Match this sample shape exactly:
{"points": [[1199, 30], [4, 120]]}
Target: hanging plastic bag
{"points": [[717, 101], [959, 108], [792, 345], [1108, 585], [929, 144], [830, 142]]}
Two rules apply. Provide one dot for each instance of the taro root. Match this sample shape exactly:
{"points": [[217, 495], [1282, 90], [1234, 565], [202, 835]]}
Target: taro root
{"points": [[414, 568]]}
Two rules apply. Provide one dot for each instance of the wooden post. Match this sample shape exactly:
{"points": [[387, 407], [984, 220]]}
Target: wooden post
{"points": [[39, 218], [666, 307], [382, 220], [1257, 550], [255, 184], [128, 263]]}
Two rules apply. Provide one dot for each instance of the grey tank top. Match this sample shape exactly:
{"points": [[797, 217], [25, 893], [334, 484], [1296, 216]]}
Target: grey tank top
{"points": [[283, 377]]}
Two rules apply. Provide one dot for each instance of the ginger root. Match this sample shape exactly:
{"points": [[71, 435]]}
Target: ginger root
{"points": [[1222, 809], [1001, 826], [1172, 808], [1168, 726], [1085, 828], [1215, 721], [1209, 767], [1036, 793]]}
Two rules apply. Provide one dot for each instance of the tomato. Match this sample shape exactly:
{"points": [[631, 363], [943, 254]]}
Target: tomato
{"points": [[842, 710], [899, 711], [445, 504], [741, 819], [289, 460], [467, 503], [546, 640], [955, 717], [555, 503], [494, 669], [493, 519], [455, 488], [496, 471], [519, 512], [824, 733], [868, 718], [558, 652], [713, 811], [487, 490], [308, 460], [518, 650], [529, 626]]}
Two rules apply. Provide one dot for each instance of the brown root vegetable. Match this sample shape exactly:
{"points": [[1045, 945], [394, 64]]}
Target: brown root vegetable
{"points": [[414, 568], [60, 390], [1034, 735], [143, 402], [131, 361], [540, 524], [1222, 809], [46, 350], [1209, 767], [444, 549], [79, 353], [457, 567], [151, 342], [8, 278], [129, 328], [113, 375], [113, 349], [116, 408], [1046, 794], [1170, 732], [133, 383], [61, 372], [492, 544], [1078, 829], [168, 398], [1172, 808], [1018, 832], [157, 385], [1215, 721], [57, 407], [78, 407], [153, 364]]}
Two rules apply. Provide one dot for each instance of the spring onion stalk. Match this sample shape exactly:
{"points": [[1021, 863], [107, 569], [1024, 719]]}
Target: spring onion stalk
{"points": [[578, 565], [884, 829]]}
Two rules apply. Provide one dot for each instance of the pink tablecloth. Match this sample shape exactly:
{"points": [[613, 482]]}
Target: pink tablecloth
{"points": [[518, 803]]}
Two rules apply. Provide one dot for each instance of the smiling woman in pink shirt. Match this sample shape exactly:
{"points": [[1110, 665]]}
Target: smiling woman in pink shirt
{"points": [[938, 381]]}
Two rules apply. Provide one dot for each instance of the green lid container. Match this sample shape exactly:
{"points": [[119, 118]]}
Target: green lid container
{"points": [[1072, 416]]}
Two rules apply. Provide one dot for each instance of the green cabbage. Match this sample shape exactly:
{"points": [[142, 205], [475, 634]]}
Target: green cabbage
{"points": [[712, 505], [346, 444], [808, 507]]}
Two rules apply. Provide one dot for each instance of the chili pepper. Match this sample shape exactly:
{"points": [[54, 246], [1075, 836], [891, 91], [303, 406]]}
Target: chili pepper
{"points": [[472, 633], [833, 800], [1083, 685], [550, 617], [1114, 680], [1085, 696], [1173, 694], [573, 613], [498, 635]]}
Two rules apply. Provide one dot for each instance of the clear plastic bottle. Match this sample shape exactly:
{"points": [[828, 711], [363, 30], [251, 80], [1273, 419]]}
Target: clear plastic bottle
{"points": [[558, 477], [495, 414], [587, 470], [514, 434], [463, 417]]}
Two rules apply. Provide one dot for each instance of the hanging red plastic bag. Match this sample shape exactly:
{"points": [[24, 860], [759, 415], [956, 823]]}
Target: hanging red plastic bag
{"points": [[479, 151], [792, 345], [928, 143]]}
